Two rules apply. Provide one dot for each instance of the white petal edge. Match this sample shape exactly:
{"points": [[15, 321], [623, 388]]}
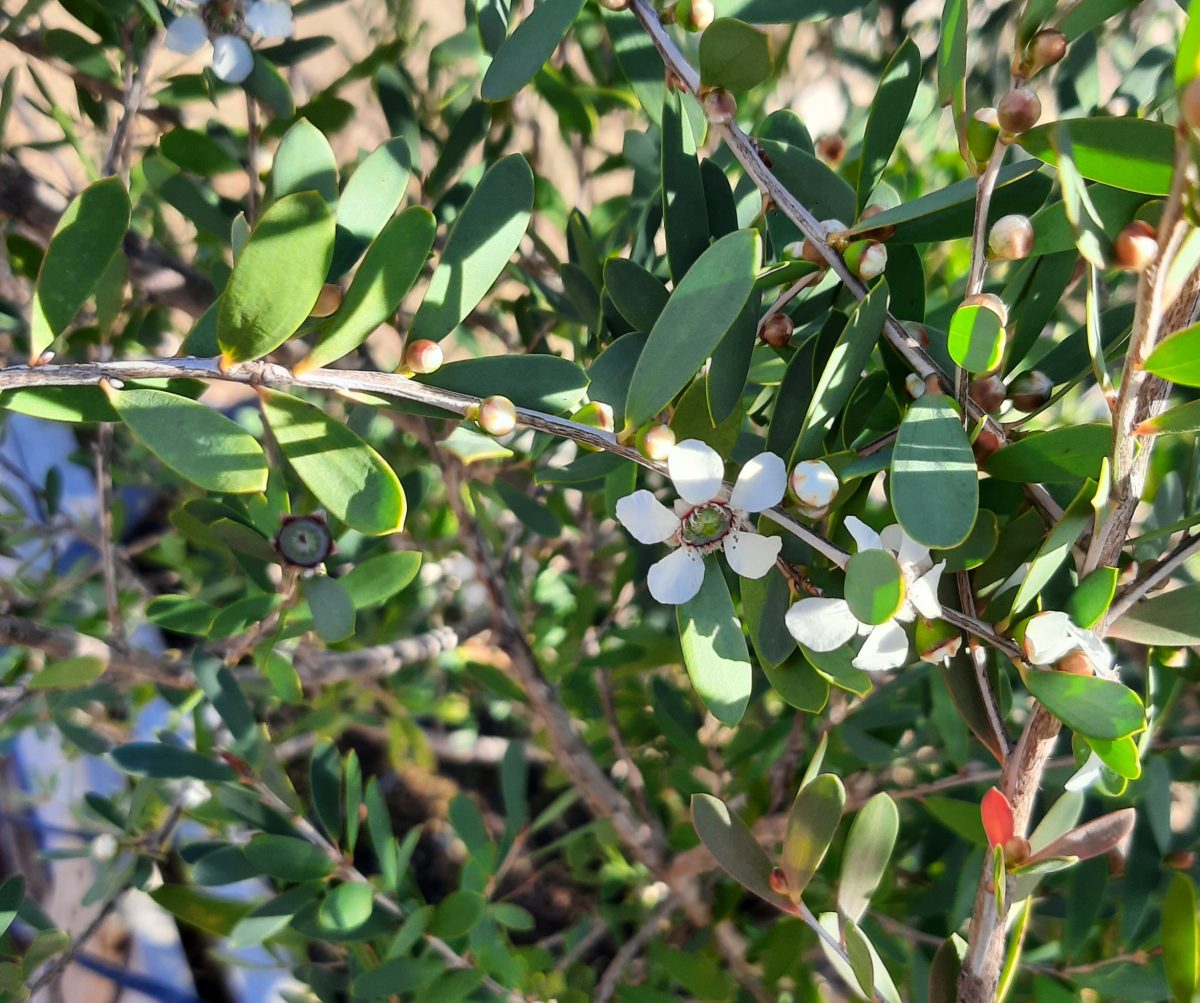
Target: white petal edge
{"points": [[864, 536], [677, 577], [886, 647], [923, 593], [185, 35], [912, 556], [1100, 654], [760, 485], [696, 470], [233, 59], [647, 519], [1087, 774], [822, 624], [750, 554], [1049, 636], [270, 18]]}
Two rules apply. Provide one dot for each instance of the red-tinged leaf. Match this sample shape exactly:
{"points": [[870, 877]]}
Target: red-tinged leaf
{"points": [[1090, 839], [997, 818]]}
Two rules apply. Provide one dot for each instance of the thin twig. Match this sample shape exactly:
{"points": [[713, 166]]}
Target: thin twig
{"points": [[117, 160], [1182, 552], [610, 980]]}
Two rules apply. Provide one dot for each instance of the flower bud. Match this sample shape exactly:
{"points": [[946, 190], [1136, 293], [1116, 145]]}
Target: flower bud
{"points": [[795, 250], [719, 106], [1016, 851], [776, 330], [655, 441], [986, 443], [615, 5], [831, 149], [1189, 104], [1048, 47], [1076, 663], [779, 882], [597, 415], [884, 233], [694, 15], [1030, 390], [303, 541], [1136, 246], [937, 640], [423, 356], [918, 332], [833, 228], [497, 415], [1011, 238], [914, 385], [328, 300], [991, 302], [988, 392], [814, 485], [983, 129], [1019, 110], [104, 847], [867, 259]]}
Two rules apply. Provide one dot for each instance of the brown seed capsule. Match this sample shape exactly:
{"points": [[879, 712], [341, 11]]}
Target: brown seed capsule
{"points": [[1049, 46], [992, 302], [986, 443], [655, 441], [1030, 390], [1189, 104], [423, 356], [1076, 663], [776, 330], [1136, 246], [1019, 110], [831, 149], [329, 299], [719, 106], [988, 392], [1011, 238], [497, 415], [1180, 860], [884, 233], [694, 15]]}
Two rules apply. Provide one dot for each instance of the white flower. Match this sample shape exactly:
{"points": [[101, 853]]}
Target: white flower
{"points": [[875, 603], [705, 520], [1087, 774], [223, 24]]}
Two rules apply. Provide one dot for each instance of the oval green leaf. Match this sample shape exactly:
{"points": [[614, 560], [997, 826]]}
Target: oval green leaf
{"points": [[540, 382], [976, 338], [734, 55], [170, 762], [868, 849], [714, 648], [811, 825], [526, 50], [347, 907], [368, 201], [1168, 619], [1094, 707], [304, 162], [1177, 358], [733, 846], [1060, 455], [1135, 154], [331, 608], [1181, 938]]}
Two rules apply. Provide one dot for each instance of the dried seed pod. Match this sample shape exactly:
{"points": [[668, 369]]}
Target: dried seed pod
{"points": [[986, 443], [1011, 238], [1019, 110], [988, 392], [1076, 663], [1136, 246], [831, 149], [1048, 47], [423, 356], [303, 541], [497, 415], [1030, 390], [776, 330]]}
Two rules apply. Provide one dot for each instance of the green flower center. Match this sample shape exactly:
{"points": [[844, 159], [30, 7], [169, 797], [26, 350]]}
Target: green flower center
{"points": [[706, 524], [874, 586]]}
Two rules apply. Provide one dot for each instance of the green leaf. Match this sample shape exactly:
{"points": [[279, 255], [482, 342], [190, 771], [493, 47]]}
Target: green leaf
{"points": [[820, 189], [977, 547], [331, 607], [1112, 208], [287, 857], [304, 162], [277, 278], [196, 441], [68, 674], [484, 237], [170, 762], [1060, 455], [945, 969], [267, 84], [347, 907], [858, 950], [1167, 620], [952, 62], [88, 235], [12, 894], [368, 201], [811, 825], [1120, 755], [842, 372], [1176, 421], [1177, 357], [1056, 548], [345, 474], [733, 846], [197, 152], [456, 914], [1094, 707], [934, 483], [375, 580], [1092, 597], [799, 684], [391, 266], [976, 338], [1181, 937], [889, 112], [714, 648], [539, 382], [868, 847], [685, 218], [1135, 154], [1086, 222], [74, 404], [398, 976], [702, 308], [637, 295], [526, 50], [210, 913], [765, 601], [1187, 58], [734, 55], [271, 917]]}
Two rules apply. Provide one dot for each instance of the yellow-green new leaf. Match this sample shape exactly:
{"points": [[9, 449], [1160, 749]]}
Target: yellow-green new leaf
{"points": [[868, 848], [1181, 939], [811, 825], [1177, 358], [343, 472], [198, 443]]}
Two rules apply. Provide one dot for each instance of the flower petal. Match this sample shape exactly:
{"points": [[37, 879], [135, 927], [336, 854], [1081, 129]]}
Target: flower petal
{"points": [[821, 624], [760, 484], [677, 577], [185, 35], [923, 593], [1049, 636], [646, 518], [864, 536], [886, 647], [1097, 651], [751, 555], [270, 18], [912, 556], [233, 60], [697, 471], [1087, 774]]}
